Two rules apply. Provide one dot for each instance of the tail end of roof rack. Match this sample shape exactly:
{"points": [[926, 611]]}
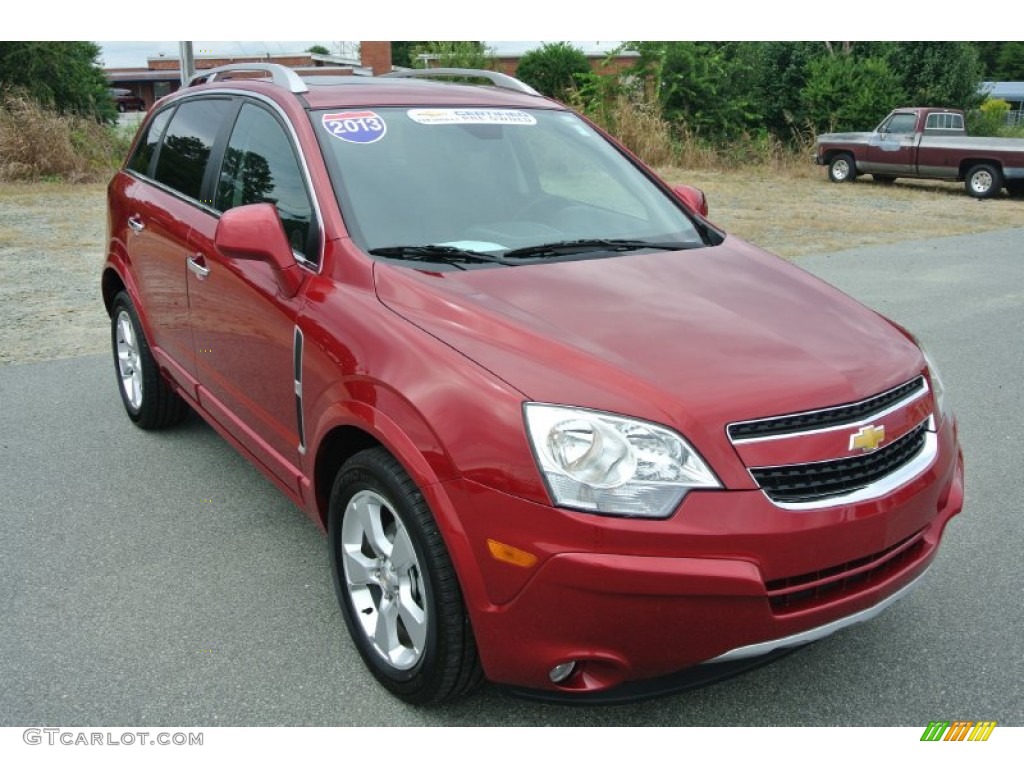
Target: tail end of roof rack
{"points": [[280, 76]]}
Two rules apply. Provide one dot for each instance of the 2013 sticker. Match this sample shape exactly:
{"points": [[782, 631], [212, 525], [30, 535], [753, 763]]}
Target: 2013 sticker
{"points": [[363, 127], [472, 117]]}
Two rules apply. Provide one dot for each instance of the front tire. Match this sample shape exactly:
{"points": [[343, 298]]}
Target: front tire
{"points": [[842, 168], [148, 399], [396, 585], [983, 181]]}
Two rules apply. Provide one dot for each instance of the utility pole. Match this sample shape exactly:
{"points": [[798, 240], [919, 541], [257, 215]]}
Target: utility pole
{"points": [[186, 60]]}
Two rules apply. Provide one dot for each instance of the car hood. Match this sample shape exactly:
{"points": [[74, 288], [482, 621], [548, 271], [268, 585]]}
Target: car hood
{"points": [[694, 339]]}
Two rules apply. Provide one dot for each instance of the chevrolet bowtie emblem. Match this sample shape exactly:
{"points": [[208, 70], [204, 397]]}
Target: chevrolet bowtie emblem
{"points": [[868, 438]]}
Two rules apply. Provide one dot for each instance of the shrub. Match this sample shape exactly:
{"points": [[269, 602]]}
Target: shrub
{"points": [[39, 143], [554, 69], [989, 119]]}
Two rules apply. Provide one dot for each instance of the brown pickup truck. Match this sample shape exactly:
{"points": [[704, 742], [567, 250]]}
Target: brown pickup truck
{"points": [[926, 143]]}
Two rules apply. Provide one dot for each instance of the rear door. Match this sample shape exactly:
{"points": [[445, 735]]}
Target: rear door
{"points": [[162, 203]]}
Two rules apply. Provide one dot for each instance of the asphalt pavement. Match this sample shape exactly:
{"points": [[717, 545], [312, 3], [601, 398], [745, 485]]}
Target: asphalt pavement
{"points": [[157, 578]]}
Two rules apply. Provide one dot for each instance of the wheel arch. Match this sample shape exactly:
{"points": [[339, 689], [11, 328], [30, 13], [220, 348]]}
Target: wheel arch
{"points": [[968, 163]]}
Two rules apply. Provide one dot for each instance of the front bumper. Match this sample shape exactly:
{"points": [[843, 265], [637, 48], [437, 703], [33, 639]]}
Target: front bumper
{"points": [[730, 576]]}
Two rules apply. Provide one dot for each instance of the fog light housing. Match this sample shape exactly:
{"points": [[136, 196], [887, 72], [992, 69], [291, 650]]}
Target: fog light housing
{"points": [[561, 672]]}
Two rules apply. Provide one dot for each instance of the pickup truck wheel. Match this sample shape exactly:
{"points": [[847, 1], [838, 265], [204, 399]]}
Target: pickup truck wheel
{"points": [[881, 179], [983, 181], [396, 584], [842, 168], [148, 399]]}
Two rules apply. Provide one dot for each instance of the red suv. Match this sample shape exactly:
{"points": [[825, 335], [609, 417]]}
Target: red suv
{"points": [[561, 431]]}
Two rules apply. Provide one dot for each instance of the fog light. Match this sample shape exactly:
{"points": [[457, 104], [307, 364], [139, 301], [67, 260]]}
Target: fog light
{"points": [[561, 672]]}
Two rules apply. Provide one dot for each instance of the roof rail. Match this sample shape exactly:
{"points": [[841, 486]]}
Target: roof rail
{"points": [[497, 78], [281, 76]]}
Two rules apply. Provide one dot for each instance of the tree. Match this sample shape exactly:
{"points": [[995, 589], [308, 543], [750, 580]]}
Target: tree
{"points": [[470, 54], [938, 74], [844, 93], [65, 76], [555, 69], [706, 86], [318, 49]]}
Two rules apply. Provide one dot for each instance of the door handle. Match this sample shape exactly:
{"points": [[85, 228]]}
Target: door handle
{"points": [[195, 264], [136, 224]]}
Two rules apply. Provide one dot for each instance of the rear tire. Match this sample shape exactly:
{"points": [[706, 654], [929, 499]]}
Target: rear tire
{"points": [[148, 398], [983, 181], [842, 168]]}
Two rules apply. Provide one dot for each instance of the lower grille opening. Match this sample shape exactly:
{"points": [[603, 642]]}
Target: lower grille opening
{"points": [[797, 593]]}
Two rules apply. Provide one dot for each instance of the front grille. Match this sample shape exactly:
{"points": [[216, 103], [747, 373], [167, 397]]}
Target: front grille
{"points": [[809, 589], [826, 479], [828, 417]]}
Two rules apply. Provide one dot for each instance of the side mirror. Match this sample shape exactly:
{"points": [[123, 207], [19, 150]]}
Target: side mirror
{"points": [[255, 232], [692, 198]]}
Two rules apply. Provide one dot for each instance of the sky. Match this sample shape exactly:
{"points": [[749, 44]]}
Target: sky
{"points": [[119, 53]]}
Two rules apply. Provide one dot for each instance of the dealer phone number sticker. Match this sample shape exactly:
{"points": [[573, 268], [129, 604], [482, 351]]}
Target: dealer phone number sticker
{"points": [[362, 127], [471, 117]]}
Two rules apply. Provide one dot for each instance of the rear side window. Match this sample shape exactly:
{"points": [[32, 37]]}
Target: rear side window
{"points": [[945, 121], [147, 146], [187, 143], [260, 166]]}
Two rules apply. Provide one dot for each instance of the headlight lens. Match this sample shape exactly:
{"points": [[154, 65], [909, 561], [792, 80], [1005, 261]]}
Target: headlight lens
{"points": [[598, 462], [938, 388]]}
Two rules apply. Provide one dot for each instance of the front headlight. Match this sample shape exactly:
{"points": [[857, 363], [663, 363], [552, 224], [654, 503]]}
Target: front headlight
{"points": [[938, 388], [597, 462]]}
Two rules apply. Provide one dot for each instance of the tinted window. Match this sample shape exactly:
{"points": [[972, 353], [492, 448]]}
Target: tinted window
{"points": [[147, 146], [260, 167], [187, 144]]}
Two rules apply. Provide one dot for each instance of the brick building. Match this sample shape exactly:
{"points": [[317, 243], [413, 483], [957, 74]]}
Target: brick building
{"points": [[162, 74]]}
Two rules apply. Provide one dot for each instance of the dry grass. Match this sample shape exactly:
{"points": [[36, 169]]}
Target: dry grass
{"points": [[799, 212], [37, 143]]}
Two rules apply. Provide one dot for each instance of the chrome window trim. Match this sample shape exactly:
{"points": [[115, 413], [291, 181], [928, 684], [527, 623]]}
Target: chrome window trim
{"points": [[817, 633], [315, 268], [785, 435], [909, 471]]}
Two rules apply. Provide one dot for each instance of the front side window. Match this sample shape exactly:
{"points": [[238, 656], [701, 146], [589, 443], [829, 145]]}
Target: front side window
{"points": [[904, 122], [260, 166], [187, 144]]}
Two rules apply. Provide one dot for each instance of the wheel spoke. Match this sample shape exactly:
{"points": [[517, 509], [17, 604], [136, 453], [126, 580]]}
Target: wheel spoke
{"points": [[368, 517], [414, 618], [360, 570], [403, 556], [386, 632]]}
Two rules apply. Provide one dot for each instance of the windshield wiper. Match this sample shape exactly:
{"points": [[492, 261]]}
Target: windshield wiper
{"points": [[444, 254], [587, 245]]}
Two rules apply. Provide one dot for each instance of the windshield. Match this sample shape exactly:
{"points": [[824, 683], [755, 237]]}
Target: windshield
{"points": [[490, 181]]}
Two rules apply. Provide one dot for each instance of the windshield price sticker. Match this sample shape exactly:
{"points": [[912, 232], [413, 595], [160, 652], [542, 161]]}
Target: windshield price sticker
{"points": [[355, 127], [472, 117]]}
